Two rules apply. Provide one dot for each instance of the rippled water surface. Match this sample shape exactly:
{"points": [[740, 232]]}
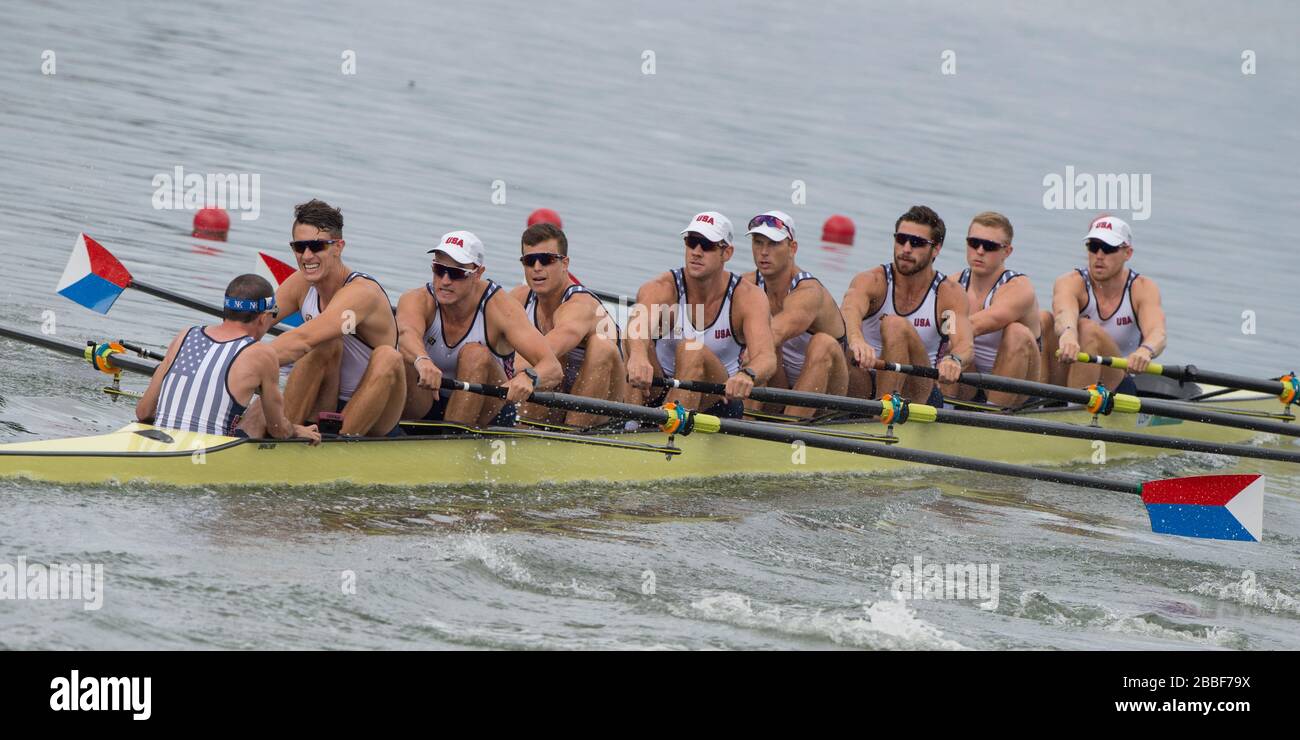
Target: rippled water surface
{"points": [[846, 99]]}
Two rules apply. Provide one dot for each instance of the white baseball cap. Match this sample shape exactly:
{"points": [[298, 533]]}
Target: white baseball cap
{"points": [[461, 246], [769, 229], [711, 225], [1111, 230]]}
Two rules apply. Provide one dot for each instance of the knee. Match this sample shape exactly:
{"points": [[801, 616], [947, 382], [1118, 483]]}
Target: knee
{"points": [[822, 348], [1017, 337], [472, 356], [1088, 331], [1047, 321], [327, 353], [601, 352], [387, 360], [689, 356], [893, 328]]}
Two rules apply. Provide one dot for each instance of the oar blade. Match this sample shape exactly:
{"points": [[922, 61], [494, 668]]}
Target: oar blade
{"points": [[276, 272], [1220, 507], [93, 277]]}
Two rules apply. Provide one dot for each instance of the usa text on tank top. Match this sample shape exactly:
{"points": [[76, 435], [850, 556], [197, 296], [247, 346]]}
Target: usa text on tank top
{"points": [[924, 318], [578, 354], [195, 394], [794, 351], [1122, 324], [356, 353], [445, 353], [718, 337], [986, 345]]}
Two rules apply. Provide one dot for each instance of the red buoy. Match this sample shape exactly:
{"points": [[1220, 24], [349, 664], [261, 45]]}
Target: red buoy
{"points": [[211, 223], [838, 230], [545, 216]]}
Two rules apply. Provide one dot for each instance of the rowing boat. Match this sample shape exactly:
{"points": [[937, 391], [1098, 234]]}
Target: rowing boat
{"points": [[447, 455]]}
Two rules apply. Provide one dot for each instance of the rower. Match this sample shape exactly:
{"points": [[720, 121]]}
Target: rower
{"points": [[1106, 309], [907, 312], [1003, 311], [464, 326], [210, 373], [344, 355], [806, 321], [580, 332], [694, 323]]}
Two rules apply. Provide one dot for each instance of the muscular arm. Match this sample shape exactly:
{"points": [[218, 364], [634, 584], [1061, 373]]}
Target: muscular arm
{"points": [[1150, 314], [356, 297], [505, 312], [147, 407], [643, 318], [412, 322], [259, 373], [1012, 301], [572, 324], [1068, 295], [798, 312], [865, 288], [756, 329], [957, 325]]}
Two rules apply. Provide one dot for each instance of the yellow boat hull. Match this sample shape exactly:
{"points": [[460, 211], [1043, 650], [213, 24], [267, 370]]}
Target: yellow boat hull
{"points": [[140, 453]]}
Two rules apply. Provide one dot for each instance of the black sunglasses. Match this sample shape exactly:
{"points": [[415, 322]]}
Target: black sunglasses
{"points": [[1097, 245], [546, 258], [695, 240], [988, 245], [315, 245], [455, 273], [915, 241]]}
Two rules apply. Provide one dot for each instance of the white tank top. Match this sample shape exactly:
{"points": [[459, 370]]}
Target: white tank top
{"points": [[795, 349], [578, 354], [925, 317], [717, 337], [446, 354], [986, 345], [195, 395], [356, 353], [1122, 325]]}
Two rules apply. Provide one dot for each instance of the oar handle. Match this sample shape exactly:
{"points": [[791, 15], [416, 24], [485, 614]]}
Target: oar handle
{"points": [[1193, 374]]}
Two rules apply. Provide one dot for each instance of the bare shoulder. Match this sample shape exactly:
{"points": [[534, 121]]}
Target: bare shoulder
{"points": [[750, 277], [520, 293], [661, 287]]}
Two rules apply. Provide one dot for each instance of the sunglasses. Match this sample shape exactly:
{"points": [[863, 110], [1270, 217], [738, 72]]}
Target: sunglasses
{"points": [[765, 220], [987, 245], [695, 240], [916, 242], [455, 273], [315, 245], [1097, 245], [546, 258]]}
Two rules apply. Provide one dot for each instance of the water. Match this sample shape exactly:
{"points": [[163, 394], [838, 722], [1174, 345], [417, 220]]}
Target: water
{"points": [[744, 101]]}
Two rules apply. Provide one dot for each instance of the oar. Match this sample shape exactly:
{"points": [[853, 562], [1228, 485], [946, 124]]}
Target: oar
{"points": [[85, 352], [923, 413], [1284, 389], [95, 278], [1097, 403], [1214, 507]]}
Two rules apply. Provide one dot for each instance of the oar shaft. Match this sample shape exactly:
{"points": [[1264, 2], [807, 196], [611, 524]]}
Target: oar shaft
{"points": [[1192, 374], [1000, 422], [776, 433], [75, 350], [1125, 403], [186, 301]]}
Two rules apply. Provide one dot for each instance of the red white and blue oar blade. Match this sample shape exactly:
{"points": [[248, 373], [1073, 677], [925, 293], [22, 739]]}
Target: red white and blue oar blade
{"points": [[93, 277], [1219, 507], [276, 272]]}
